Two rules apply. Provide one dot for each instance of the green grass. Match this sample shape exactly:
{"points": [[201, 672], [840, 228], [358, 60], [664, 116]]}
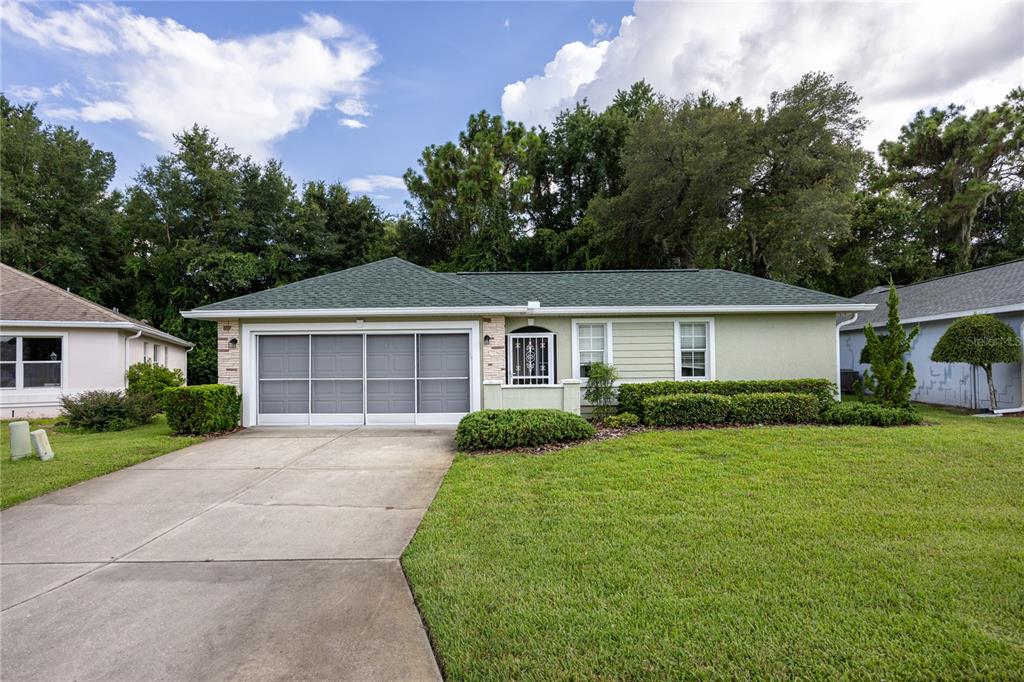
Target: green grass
{"points": [[80, 456], [789, 552]]}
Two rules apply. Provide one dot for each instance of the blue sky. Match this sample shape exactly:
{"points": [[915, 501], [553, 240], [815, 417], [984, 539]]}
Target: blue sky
{"points": [[353, 92], [438, 63]]}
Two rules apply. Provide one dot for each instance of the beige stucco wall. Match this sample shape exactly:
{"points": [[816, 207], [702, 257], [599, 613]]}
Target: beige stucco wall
{"points": [[94, 359], [776, 346]]}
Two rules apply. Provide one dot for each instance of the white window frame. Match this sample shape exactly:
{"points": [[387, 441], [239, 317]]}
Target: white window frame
{"points": [[609, 358], [549, 378], [709, 352], [19, 363]]}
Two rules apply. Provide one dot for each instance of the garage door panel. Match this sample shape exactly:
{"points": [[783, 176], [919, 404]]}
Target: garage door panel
{"points": [[443, 395], [284, 357], [390, 396], [337, 357], [390, 356], [338, 397], [443, 355], [284, 397]]}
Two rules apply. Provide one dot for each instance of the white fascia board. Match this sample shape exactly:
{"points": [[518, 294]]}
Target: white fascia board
{"points": [[524, 310], [1012, 308], [73, 324]]}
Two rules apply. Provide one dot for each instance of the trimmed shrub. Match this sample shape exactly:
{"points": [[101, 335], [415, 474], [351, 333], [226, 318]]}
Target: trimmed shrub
{"points": [[979, 340], [774, 408], [202, 409], [686, 409], [107, 410], [149, 379], [503, 429], [632, 396], [622, 420], [869, 414]]}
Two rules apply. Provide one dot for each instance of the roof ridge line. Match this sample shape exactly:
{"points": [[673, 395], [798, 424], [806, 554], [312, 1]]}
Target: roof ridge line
{"points": [[785, 284], [464, 285], [73, 296], [575, 272], [955, 274]]}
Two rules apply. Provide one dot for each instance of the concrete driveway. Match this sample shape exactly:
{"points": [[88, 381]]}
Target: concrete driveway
{"points": [[270, 554]]}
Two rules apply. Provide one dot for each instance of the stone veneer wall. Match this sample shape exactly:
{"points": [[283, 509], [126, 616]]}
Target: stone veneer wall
{"points": [[229, 360], [494, 352]]}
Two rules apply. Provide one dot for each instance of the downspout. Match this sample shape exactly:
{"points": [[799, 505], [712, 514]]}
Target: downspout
{"points": [[127, 347], [1020, 408], [839, 371], [187, 351]]}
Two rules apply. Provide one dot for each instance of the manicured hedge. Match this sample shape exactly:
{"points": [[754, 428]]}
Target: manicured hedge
{"points": [[773, 408], [632, 396], [503, 429], [686, 409], [202, 409], [869, 414]]}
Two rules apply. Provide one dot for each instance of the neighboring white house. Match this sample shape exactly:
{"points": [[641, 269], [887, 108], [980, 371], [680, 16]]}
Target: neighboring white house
{"points": [[54, 343], [934, 305], [391, 342]]}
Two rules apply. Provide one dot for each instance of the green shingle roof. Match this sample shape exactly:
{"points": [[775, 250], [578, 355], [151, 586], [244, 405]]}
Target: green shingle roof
{"points": [[395, 283]]}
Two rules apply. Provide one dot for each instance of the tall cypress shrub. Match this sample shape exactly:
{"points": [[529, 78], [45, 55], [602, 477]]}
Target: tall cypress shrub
{"points": [[890, 379]]}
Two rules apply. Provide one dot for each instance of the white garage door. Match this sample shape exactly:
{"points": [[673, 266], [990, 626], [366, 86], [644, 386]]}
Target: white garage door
{"points": [[373, 378]]}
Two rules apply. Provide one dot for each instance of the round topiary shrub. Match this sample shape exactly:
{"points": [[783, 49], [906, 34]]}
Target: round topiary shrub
{"points": [[504, 429], [979, 340]]}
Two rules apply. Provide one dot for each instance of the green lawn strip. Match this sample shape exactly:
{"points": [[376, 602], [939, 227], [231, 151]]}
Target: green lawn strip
{"points": [[81, 456], [736, 553]]}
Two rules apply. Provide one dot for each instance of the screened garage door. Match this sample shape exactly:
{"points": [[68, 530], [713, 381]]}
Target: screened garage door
{"points": [[385, 378]]}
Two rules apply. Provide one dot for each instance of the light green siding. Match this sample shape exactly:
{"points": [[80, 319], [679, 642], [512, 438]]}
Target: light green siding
{"points": [[643, 350], [561, 328], [776, 346]]}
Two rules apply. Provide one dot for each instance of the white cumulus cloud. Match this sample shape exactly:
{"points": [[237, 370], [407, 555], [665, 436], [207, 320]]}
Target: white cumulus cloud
{"points": [[164, 77], [899, 57], [351, 123], [353, 106], [375, 183]]}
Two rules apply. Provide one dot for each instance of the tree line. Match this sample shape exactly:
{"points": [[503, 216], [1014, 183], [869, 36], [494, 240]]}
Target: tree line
{"points": [[786, 191]]}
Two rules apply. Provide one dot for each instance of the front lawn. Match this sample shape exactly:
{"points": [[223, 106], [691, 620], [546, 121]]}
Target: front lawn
{"points": [[788, 552], [81, 456]]}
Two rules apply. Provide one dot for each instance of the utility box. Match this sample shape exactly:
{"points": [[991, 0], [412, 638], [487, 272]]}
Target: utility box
{"points": [[21, 444], [41, 444]]}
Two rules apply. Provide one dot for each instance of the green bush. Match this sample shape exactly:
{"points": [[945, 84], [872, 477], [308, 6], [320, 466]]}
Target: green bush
{"points": [[502, 429], [622, 420], [774, 408], [150, 379], [870, 414], [202, 409], [979, 340], [600, 389], [107, 410], [685, 409], [632, 396]]}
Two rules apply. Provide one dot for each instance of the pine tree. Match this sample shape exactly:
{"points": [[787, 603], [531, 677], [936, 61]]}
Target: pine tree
{"points": [[890, 379]]}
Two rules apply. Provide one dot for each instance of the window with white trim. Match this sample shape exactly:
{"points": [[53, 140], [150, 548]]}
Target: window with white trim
{"points": [[592, 342], [531, 358], [31, 361], [693, 350]]}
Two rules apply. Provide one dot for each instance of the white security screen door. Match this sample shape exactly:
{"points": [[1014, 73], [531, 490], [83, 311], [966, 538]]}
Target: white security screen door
{"points": [[531, 358]]}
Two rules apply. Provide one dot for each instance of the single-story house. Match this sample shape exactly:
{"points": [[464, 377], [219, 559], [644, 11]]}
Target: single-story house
{"points": [[394, 343], [934, 305], [54, 343]]}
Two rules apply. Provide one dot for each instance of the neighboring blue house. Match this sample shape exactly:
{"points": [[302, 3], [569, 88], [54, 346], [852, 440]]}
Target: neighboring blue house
{"points": [[934, 305]]}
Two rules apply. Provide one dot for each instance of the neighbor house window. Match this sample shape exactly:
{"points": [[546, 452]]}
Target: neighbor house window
{"points": [[531, 358], [592, 340], [156, 353], [31, 361], [694, 350]]}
